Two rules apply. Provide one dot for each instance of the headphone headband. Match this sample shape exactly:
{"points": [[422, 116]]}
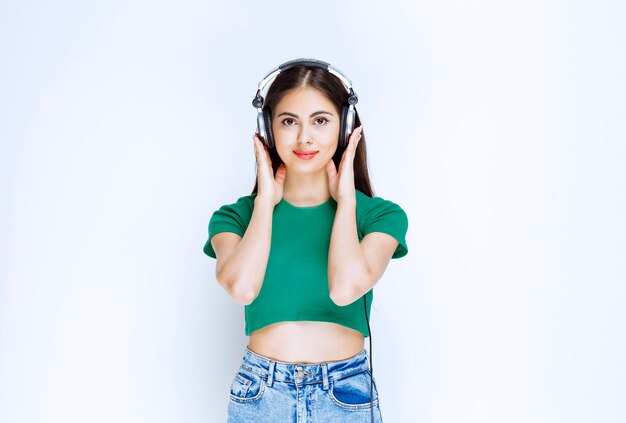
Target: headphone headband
{"points": [[307, 62]]}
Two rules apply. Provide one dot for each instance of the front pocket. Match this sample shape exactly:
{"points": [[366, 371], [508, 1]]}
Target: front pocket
{"points": [[353, 392], [246, 386]]}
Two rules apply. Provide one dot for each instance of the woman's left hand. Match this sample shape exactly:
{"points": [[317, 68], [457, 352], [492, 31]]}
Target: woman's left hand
{"points": [[341, 184]]}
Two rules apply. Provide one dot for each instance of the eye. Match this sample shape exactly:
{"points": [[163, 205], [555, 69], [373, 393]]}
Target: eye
{"points": [[288, 121], [321, 120]]}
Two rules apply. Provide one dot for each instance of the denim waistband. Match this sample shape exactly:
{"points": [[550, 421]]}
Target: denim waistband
{"points": [[304, 373]]}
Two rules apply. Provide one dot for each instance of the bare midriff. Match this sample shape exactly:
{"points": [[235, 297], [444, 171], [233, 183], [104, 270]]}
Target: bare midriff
{"points": [[306, 342]]}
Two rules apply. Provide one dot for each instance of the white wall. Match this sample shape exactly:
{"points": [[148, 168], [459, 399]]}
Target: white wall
{"points": [[498, 126]]}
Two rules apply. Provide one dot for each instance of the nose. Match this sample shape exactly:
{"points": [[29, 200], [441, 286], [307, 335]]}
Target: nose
{"points": [[304, 136]]}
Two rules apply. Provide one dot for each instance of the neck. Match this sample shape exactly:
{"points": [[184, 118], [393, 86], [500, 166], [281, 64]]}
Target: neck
{"points": [[306, 189]]}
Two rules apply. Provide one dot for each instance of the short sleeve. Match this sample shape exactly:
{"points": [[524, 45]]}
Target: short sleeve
{"points": [[229, 218], [387, 217]]}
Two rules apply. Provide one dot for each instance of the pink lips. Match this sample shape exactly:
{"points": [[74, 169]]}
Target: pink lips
{"points": [[308, 155]]}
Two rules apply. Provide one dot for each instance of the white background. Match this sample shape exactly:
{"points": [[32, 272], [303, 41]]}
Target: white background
{"points": [[497, 125]]}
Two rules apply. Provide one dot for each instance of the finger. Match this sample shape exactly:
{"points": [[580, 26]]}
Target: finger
{"points": [[262, 159], [349, 152], [342, 162], [260, 149], [331, 169], [257, 149], [262, 145], [355, 137], [281, 173], [268, 158]]}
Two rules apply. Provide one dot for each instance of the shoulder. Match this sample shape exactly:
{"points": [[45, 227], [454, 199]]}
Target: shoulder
{"points": [[239, 212], [231, 217], [246, 200], [243, 204], [367, 205], [376, 214]]}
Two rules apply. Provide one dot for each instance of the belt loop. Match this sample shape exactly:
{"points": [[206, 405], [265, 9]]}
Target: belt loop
{"points": [[270, 373], [325, 375]]}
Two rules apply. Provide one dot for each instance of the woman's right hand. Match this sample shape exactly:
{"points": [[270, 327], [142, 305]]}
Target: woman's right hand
{"points": [[269, 187]]}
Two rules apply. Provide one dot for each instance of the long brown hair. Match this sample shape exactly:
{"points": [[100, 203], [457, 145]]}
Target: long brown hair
{"points": [[335, 91]]}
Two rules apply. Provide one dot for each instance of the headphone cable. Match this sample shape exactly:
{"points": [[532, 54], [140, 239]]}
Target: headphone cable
{"points": [[367, 320]]}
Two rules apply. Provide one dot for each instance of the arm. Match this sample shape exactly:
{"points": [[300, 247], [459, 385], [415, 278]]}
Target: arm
{"points": [[241, 262], [353, 268]]}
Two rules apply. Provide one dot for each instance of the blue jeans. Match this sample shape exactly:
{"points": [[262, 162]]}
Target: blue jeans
{"points": [[266, 390]]}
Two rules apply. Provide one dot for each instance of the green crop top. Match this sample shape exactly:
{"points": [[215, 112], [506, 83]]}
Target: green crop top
{"points": [[296, 278]]}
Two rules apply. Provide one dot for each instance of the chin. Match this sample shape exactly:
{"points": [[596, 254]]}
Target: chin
{"points": [[306, 168]]}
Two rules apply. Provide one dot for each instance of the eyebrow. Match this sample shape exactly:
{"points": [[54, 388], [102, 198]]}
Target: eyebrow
{"points": [[319, 112]]}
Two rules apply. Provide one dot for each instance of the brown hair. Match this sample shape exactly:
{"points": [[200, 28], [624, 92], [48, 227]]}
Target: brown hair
{"points": [[335, 91]]}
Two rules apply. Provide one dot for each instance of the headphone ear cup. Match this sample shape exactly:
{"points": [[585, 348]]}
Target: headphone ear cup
{"points": [[343, 136], [260, 126], [269, 138], [350, 118]]}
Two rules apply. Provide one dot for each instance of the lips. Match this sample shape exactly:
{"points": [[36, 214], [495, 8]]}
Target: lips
{"points": [[305, 155]]}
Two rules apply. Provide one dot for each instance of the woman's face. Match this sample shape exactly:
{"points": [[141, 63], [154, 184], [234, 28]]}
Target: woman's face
{"points": [[305, 121]]}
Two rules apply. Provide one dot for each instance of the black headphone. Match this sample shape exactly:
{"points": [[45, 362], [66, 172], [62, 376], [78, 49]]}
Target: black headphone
{"points": [[348, 112]]}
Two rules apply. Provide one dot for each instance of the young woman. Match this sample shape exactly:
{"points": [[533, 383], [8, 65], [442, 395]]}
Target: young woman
{"points": [[303, 252]]}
